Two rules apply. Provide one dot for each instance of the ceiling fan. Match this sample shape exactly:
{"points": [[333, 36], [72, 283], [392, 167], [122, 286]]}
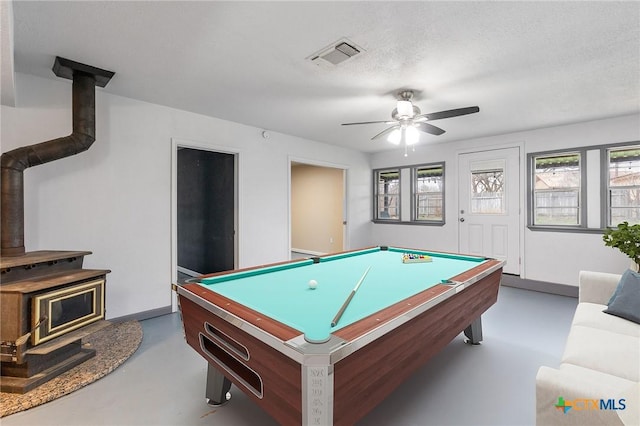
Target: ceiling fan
{"points": [[407, 120]]}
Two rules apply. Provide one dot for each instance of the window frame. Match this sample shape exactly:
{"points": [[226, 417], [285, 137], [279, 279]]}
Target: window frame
{"points": [[406, 191], [605, 215], [414, 193], [376, 195], [582, 193], [599, 225]]}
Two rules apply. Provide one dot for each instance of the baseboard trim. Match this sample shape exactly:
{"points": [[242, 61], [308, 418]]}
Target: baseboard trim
{"points": [[310, 252], [140, 316], [188, 271], [509, 280]]}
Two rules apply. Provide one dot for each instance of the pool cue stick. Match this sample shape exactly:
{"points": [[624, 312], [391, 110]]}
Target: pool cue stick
{"points": [[346, 302], [23, 339]]}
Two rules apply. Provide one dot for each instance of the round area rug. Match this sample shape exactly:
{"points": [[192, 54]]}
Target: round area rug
{"points": [[114, 344]]}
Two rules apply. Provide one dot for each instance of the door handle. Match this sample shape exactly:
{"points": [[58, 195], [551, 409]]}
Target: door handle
{"points": [[462, 219]]}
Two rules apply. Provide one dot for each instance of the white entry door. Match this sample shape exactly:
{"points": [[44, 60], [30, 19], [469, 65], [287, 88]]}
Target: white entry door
{"points": [[489, 205]]}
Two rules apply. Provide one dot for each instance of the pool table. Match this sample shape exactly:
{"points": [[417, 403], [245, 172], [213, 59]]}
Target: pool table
{"points": [[328, 355]]}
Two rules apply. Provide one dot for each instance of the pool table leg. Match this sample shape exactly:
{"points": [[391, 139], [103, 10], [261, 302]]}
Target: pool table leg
{"points": [[474, 332], [217, 392]]}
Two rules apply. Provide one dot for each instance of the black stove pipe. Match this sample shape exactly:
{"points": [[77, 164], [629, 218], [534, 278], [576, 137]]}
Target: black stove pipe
{"points": [[13, 163]]}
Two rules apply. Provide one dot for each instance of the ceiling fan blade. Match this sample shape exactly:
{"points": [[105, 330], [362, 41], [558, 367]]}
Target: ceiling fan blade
{"points": [[368, 122], [450, 113], [386, 131], [428, 128]]}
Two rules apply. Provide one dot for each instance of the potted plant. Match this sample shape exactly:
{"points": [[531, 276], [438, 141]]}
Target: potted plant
{"points": [[625, 238]]}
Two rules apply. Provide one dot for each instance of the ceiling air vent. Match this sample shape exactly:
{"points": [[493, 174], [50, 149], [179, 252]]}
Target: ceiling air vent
{"points": [[336, 53]]}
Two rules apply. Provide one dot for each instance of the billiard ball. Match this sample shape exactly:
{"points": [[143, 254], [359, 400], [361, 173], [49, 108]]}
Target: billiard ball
{"points": [[313, 284]]}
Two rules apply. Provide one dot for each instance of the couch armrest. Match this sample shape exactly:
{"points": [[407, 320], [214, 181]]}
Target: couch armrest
{"points": [[597, 287], [552, 384]]}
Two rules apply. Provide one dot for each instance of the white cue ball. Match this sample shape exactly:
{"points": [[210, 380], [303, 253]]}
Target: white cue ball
{"points": [[313, 284]]}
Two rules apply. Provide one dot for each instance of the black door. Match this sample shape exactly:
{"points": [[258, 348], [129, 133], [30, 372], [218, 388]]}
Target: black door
{"points": [[206, 204]]}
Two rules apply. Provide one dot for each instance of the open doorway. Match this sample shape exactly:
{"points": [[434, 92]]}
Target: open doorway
{"points": [[204, 203], [317, 209]]}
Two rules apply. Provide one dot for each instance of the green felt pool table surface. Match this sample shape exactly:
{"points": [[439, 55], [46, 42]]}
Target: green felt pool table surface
{"points": [[282, 292]]}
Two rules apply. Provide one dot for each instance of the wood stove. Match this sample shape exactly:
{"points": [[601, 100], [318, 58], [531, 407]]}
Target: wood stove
{"points": [[48, 300]]}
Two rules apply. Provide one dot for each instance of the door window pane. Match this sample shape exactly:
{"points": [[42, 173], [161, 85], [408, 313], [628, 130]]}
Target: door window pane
{"points": [[388, 195], [487, 192], [624, 185], [556, 189]]}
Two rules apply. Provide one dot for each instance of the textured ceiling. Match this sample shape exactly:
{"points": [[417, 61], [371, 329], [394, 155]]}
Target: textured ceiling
{"points": [[525, 64]]}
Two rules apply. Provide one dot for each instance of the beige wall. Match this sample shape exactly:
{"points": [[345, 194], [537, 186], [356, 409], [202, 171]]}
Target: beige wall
{"points": [[317, 195]]}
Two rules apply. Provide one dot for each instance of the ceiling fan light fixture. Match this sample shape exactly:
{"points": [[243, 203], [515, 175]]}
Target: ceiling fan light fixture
{"points": [[411, 135], [394, 137], [405, 109]]}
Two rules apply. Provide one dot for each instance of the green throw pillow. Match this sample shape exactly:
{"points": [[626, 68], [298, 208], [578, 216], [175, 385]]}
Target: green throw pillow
{"points": [[626, 301]]}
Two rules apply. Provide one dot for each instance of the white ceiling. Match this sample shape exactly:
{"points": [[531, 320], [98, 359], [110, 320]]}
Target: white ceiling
{"points": [[525, 64]]}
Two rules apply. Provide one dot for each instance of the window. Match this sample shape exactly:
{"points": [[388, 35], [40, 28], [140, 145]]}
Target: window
{"points": [[428, 193], [387, 195], [564, 196], [487, 193], [409, 195], [556, 189], [623, 185]]}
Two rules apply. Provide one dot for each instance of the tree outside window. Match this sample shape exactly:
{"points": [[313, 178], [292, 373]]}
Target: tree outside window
{"points": [[487, 193]]}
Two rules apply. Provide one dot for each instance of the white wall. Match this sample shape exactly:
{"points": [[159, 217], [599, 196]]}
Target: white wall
{"points": [[7, 75], [547, 256], [115, 199]]}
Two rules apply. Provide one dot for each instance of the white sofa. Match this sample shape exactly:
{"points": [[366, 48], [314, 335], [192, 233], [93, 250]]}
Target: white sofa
{"points": [[601, 360]]}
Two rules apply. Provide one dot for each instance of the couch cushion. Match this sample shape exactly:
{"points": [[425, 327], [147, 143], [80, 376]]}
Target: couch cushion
{"points": [[591, 315], [612, 353], [626, 299], [552, 384], [632, 396], [601, 385], [597, 287], [601, 380]]}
